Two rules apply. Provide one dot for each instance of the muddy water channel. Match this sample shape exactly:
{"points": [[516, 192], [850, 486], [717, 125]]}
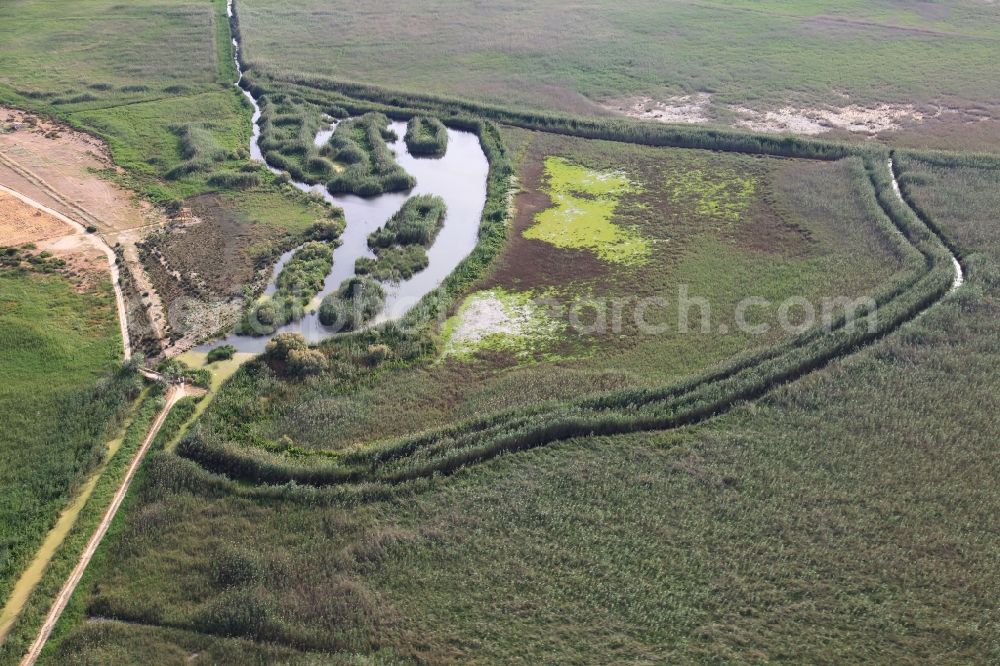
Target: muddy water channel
{"points": [[459, 177]]}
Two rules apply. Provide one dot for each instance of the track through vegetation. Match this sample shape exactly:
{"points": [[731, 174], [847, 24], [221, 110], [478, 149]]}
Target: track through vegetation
{"points": [[174, 395]]}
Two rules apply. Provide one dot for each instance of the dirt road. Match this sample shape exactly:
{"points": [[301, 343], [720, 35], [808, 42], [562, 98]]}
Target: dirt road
{"points": [[174, 394], [98, 241]]}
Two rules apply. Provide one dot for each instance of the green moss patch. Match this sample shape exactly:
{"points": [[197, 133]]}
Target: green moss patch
{"points": [[585, 202], [722, 195]]}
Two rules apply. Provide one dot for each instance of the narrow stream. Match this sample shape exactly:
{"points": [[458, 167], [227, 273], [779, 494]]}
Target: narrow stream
{"points": [[459, 177]]}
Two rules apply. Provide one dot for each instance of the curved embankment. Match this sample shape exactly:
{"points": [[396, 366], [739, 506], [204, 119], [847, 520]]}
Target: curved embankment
{"points": [[175, 394], [447, 449]]}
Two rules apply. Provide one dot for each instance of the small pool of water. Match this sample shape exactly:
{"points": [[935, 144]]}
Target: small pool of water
{"points": [[459, 177]]}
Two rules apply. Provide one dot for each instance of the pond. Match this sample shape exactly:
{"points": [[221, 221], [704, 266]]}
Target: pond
{"points": [[459, 177]]}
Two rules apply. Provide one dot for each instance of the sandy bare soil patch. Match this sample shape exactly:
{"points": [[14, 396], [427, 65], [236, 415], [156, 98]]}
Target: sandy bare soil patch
{"points": [[853, 118], [687, 109], [20, 224], [54, 164], [869, 120]]}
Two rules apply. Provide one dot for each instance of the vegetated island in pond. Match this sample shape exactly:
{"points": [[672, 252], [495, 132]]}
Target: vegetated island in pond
{"points": [[401, 245], [426, 137], [370, 168]]}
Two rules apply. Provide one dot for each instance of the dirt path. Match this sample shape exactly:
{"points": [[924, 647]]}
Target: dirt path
{"points": [[99, 242], [959, 273], [175, 394], [33, 574], [88, 199]]}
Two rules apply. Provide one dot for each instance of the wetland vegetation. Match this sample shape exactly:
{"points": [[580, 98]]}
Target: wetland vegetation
{"points": [[426, 136], [553, 483]]}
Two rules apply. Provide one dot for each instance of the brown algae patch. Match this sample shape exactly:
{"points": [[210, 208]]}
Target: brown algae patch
{"points": [[584, 202]]}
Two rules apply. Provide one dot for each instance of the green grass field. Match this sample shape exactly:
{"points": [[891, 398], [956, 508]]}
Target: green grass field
{"points": [[59, 396], [764, 55], [845, 518], [119, 52]]}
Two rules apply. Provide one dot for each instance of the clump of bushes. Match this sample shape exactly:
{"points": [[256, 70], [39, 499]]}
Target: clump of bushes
{"points": [[174, 369], [417, 222], [326, 230], [291, 351], [221, 353], [304, 273], [356, 301], [303, 362], [371, 168], [426, 136], [199, 148], [400, 245], [232, 179], [393, 264], [23, 259], [288, 126], [280, 345]]}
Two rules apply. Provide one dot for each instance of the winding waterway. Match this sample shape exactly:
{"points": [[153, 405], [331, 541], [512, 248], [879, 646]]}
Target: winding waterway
{"points": [[459, 177]]}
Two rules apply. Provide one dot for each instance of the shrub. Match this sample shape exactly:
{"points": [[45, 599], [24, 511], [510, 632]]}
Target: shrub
{"points": [[356, 301], [378, 353], [303, 362], [393, 264], [233, 179], [399, 245], [175, 369], [417, 222], [371, 167], [282, 344], [326, 230], [221, 353]]}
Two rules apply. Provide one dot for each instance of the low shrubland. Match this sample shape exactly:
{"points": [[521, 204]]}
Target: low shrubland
{"points": [[136, 422], [426, 136], [62, 392]]}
